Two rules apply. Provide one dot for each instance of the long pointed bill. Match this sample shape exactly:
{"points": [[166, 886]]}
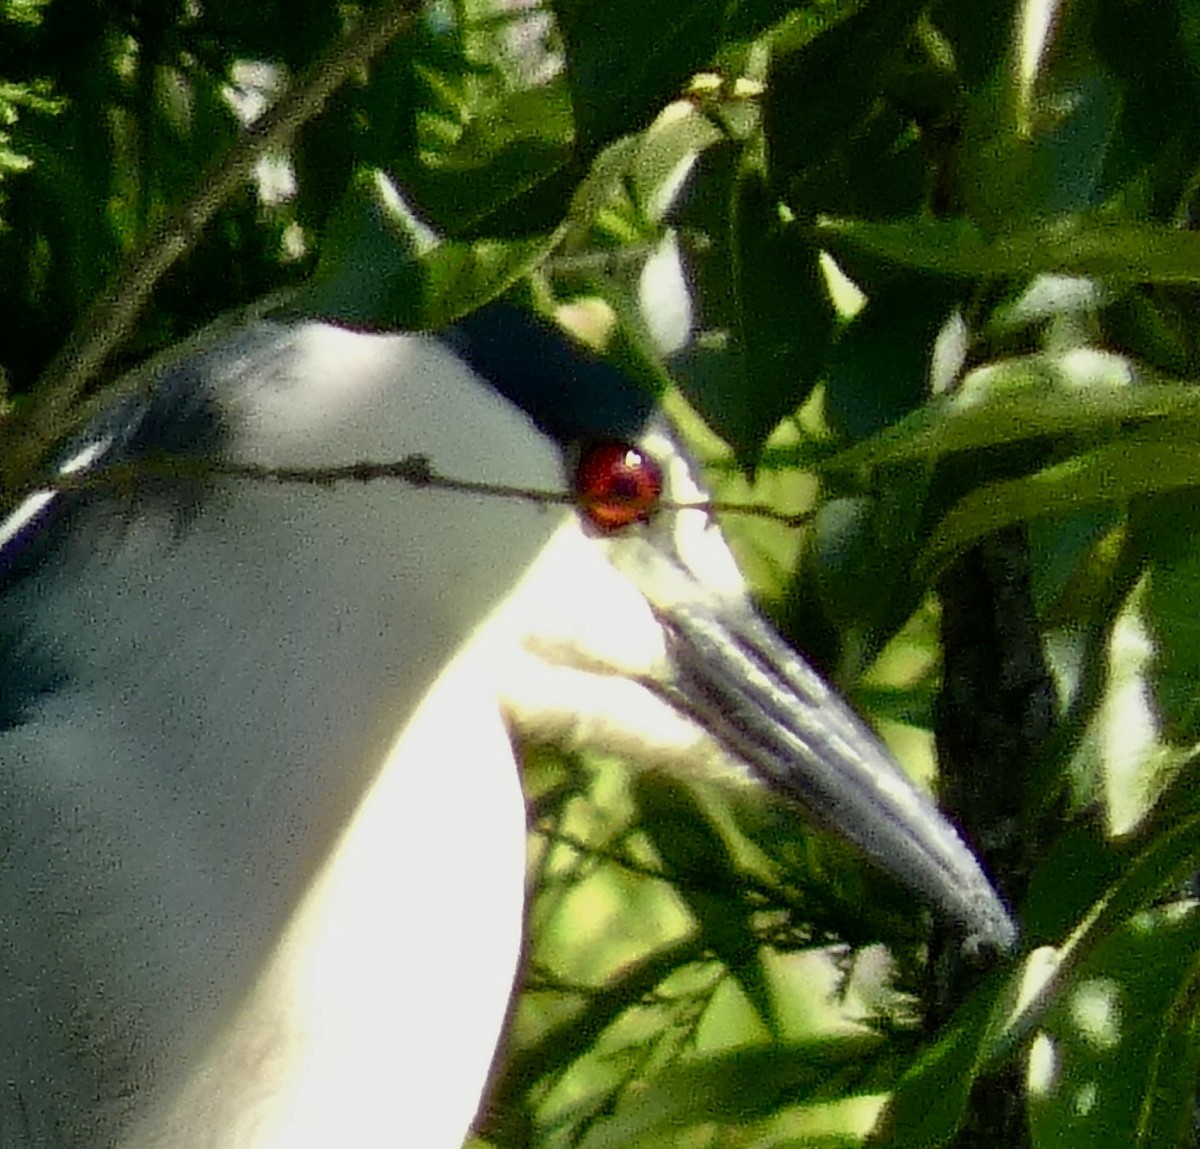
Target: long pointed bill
{"points": [[734, 676]]}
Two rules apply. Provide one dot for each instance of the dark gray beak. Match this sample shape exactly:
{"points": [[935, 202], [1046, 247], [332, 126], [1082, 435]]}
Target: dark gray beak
{"points": [[734, 676]]}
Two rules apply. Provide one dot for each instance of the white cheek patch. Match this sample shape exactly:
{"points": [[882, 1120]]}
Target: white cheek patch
{"points": [[574, 647], [574, 607], [576, 650], [552, 703]]}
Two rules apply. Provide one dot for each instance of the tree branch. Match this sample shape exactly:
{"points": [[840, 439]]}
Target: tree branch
{"points": [[112, 316]]}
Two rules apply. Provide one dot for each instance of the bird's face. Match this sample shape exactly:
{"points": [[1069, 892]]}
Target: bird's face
{"points": [[638, 635]]}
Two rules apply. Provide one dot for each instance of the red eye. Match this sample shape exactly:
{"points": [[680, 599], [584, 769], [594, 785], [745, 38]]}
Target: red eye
{"points": [[617, 484]]}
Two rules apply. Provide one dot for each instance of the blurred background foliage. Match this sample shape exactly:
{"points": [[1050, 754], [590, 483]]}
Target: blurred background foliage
{"points": [[943, 272]]}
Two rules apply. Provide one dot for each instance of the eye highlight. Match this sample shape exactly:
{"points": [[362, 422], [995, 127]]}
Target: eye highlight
{"points": [[617, 484]]}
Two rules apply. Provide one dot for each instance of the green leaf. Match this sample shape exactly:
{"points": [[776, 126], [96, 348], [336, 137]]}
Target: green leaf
{"points": [[1167, 1115], [1052, 907], [627, 59], [980, 34], [381, 267], [821, 87], [1155, 325], [1018, 400], [739, 1086], [927, 1107], [879, 369], [1168, 858], [505, 155], [1067, 569], [460, 277], [660, 152], [1166, 531], [860, 563], [1114, 1065], [1148, 462], [1122, 252], [1036, 151], [785, 322], [771, 316], [1152, 51]]}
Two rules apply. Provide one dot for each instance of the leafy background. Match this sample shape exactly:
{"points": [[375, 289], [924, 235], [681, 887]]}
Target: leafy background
{"points": [[945, 274]]}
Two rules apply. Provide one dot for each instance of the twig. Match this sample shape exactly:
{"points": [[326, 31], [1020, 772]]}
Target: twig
{"points": [[415, 470]]}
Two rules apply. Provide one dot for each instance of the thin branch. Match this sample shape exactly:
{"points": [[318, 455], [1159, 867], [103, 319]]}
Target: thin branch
{"points": [[113, 315], [414, 470]]}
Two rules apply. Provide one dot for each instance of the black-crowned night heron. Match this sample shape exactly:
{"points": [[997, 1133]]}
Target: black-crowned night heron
{"points": [[263, 828]]}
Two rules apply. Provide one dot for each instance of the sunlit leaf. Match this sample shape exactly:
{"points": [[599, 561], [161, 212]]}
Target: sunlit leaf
{"points": [[740, 1086], [1040, 397], [1149, 462], [1114, 1063], [1125, 252], [383, 268]]}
